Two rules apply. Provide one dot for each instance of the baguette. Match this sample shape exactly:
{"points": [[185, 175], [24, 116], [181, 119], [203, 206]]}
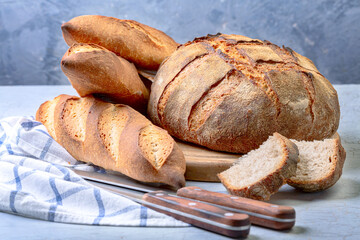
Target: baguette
{"points": [[93, 69], [320, 164], [115, 137], [261, 172], [140, 44]]}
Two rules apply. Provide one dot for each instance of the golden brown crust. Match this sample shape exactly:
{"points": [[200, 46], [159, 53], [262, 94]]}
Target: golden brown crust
{"points": [[145, 46], [92, 69], [168, 72], [155, 145], [230, 92], [45, 115], [270, 184], [337, 158], [131, 160]]}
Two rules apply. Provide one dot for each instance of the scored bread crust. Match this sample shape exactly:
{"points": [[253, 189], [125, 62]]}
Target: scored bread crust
{"points": [[337, 158], [127, 155], [140, 44], [230, 92], [269, 184], [93, 69]]}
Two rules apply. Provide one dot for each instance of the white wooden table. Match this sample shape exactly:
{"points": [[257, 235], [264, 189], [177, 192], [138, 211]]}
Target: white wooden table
{"points": [[332, 214]]}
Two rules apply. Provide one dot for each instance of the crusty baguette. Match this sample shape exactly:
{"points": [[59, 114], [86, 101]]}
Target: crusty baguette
{"points": [[145, 46], [320, 164], [261, 172], [230, 92], [93, 69], [115, 137]]}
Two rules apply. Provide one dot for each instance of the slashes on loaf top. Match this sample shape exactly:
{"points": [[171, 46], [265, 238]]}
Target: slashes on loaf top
{"points": [[230, 92]]}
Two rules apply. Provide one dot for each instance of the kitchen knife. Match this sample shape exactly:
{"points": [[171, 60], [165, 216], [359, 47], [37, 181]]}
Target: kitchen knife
{"points": [[194, 212], [262, 214]]}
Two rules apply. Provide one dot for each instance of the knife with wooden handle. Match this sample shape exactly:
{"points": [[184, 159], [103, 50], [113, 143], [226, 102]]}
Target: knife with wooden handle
{"points": [[194, 212], [260, 213]]}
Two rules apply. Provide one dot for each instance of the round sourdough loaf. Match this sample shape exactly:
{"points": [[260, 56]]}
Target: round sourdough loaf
{"points": [[230, 92]]}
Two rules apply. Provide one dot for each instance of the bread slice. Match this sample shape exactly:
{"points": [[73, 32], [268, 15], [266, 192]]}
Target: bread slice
{"points": [[261, 172], [320, 164]]}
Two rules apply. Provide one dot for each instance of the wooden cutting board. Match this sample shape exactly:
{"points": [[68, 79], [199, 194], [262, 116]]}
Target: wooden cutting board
{"points": [[203, 164]]}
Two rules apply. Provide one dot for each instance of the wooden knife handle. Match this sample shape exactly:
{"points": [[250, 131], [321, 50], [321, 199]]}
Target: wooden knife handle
{"points": [[199, 214], [260, 213]]}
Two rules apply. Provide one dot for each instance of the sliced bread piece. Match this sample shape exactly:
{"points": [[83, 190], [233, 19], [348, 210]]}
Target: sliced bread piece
{"points": [[320, 164], [261, 172]]}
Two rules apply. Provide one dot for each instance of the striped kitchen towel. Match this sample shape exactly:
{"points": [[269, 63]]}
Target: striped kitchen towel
{"points": [[36, 181]]}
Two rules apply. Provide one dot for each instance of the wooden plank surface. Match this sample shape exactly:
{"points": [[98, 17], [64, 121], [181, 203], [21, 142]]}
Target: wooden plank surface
{"points": [[203, 164]]}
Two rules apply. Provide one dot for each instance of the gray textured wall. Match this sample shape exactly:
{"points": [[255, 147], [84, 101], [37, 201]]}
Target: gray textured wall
{"points": [[327, 32]]}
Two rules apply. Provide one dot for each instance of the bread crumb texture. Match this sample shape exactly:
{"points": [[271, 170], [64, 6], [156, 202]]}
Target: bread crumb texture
{"points": [[255, 165], [315, 160], [156, 145], [262, 172]]}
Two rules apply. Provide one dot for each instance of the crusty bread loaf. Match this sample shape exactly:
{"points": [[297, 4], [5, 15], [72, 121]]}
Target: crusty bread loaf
{"points": [[140, 44], [92, 69], [230, 92], [115, 137], [320, 164], [261, 172]]}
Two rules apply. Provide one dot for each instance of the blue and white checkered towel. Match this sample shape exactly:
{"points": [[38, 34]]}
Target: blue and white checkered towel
{"points": [[36, 181]]}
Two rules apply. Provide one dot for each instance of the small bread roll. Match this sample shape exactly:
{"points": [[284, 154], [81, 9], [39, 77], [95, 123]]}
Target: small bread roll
{"points": [[92, 69], [140, 44]]}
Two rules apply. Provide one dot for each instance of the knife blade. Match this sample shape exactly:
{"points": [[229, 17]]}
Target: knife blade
{"points": [[194, 212], [262, 214]]}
